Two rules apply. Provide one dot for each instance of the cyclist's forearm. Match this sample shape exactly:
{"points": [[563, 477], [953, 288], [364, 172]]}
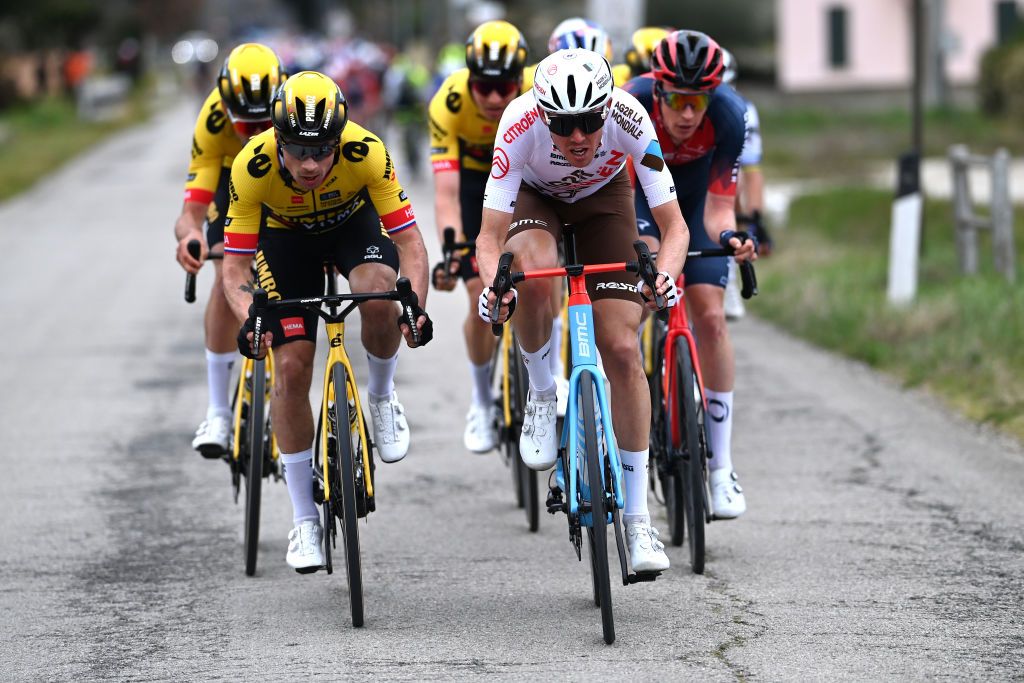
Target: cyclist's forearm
{"points": [[489, 243], [190, 221], [238, 285], [675, 237], [412, 257], [719, 215], [446, 203]]}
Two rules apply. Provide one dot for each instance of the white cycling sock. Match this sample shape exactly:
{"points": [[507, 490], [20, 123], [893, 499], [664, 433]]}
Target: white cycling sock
{"points": [[218, 377], [720, 429], [382, 376], [634, 477], [538, 365], [557, 366], [481, 384], [298, 474]]}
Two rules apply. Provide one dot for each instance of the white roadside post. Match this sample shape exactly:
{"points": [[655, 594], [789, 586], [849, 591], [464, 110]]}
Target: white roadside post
{"points": [[905, 234]]}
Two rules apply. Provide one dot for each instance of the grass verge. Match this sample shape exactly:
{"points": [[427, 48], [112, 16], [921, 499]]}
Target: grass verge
{"points": [[963, 338]]}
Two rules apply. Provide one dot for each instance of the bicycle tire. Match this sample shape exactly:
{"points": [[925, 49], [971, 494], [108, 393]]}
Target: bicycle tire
{"points": [[254, 466], [691, 466], [665, 468], [348, 509], [527, 484], [598, 530]]}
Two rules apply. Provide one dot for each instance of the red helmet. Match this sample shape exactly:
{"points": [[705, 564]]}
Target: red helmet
{"points": [[688, 59]]}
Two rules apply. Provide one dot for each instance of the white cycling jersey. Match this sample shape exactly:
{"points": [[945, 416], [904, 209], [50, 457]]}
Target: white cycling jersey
{"points": [[524, 152], [751, 154]]}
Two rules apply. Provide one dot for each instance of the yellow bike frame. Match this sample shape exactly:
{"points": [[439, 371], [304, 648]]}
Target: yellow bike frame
{"points": [[242, 396], [337, 354]]}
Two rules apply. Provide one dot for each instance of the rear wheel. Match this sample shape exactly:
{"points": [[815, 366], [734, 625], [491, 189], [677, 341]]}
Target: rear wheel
{"points": [[593, 479], [527, 477], [690, 470], [344, 496], [254, 466]]}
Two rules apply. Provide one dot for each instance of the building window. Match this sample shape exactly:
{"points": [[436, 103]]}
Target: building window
{"points": [[837, 38], [1008, 21]]}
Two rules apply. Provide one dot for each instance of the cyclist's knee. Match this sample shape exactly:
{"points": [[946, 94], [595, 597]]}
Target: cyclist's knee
{"points": [[378, 313], [709, 321], [293, 372]]}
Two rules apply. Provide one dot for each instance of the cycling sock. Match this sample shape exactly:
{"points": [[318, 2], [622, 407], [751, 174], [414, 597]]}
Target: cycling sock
{"points": [[557, 366], [382, 375], [634, 476], [218, 377], [298, 474], [720, 429], [538, 365], [481, 384]]}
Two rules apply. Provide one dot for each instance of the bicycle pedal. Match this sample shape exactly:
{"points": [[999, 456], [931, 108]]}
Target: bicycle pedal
{"points": [[642, 577], [554, 502]]}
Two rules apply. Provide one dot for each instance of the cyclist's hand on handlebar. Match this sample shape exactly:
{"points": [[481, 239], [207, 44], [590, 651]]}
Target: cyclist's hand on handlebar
{"points": [[424, 325], [245, 341], [187, 261], [486, 302], [446, 281], [666, 287], [744, 245]]}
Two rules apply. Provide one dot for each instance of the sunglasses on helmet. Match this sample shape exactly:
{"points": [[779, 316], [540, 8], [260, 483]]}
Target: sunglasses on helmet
{"points": [[314, 152], [678, 101], [486, 87], [565, 124]]}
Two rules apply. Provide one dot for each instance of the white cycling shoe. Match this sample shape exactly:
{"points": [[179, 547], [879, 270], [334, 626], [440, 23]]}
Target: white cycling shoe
{"points": [[212, 437], [733, 302], [646, 552], [538, 444], [390, 429], [727, 500], [480, 435], [305, 552]]}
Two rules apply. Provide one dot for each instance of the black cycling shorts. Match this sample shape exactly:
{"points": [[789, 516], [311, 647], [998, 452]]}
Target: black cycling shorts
{"points": [[290, 266], [217, 211], [471, 203]]}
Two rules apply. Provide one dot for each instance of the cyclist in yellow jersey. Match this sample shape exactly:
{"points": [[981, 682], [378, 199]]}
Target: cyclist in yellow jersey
{"points": [[237, 108], [318, 188], [464, 116], [638, 55]]}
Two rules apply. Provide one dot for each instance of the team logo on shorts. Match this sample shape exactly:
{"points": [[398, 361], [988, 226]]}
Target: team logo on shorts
{"points": [[373, 252], [293, 327]]}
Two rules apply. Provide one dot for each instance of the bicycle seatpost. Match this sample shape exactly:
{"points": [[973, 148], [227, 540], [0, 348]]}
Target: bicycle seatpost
{"points": [[259, 305], [408, 299], [501, 286], [648, 271], [190, 278]]}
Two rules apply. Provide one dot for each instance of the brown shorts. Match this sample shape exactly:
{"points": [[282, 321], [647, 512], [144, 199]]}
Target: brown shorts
{"points": [[605, 225]]}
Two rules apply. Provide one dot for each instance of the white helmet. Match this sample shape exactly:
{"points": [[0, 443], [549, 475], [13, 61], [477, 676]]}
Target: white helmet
{"points": [[579, 32], [572, 82], [728, 66]]}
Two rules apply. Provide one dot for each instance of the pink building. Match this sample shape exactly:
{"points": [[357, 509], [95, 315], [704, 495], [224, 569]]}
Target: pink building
{"points": [[842, 45]]}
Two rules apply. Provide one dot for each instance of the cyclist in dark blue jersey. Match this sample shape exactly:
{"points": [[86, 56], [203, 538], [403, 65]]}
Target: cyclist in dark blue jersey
{"points": [[701, 127]]}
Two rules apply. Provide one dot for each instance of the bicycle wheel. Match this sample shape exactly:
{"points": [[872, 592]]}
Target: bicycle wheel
{"points": [[597, 533], [254, 466], [527, 477], [664, 466], [691, 466], [344, 497]]}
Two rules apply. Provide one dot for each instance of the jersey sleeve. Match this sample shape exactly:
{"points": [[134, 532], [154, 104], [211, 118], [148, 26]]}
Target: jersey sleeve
{"points": [[208, 153], [730, 132], [386, 193], [752, 147], [511, 150], [444, 139], [652, 173], [247, 187]]}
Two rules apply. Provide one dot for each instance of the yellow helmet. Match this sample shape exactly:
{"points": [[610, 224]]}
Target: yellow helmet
{"points": [[309, 110], [496, 49], [645, 39], [249, 80]]}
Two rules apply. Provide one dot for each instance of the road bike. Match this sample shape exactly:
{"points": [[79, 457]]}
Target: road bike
{"points": [[510, 383], [587, 469], [342, 462], [252, 453], [680, 445]]}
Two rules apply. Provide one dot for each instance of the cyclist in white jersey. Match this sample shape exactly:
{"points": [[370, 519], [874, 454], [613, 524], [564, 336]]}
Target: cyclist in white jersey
{"points": [[565, 141]]}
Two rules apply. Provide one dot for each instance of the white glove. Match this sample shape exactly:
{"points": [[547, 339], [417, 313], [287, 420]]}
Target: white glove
{"points": [[484, 309], [671, 296]]}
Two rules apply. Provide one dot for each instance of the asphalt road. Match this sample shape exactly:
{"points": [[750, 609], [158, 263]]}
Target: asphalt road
{"points": [[883, 538]]}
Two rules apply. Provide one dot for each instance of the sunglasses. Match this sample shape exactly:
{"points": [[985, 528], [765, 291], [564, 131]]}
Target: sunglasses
{"points": [[588, 122], [485, 88], [314, 152], [678, 101]]}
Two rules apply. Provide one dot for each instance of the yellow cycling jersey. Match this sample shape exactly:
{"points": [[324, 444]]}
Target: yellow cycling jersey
{"points": [[214, 146], [262, 194], [620, 74], [460, 136]]}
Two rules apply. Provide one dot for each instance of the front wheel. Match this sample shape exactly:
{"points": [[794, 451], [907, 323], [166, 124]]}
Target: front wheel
{"points": [[592, 479], [254, 469], [344, 496], [690, 470]]}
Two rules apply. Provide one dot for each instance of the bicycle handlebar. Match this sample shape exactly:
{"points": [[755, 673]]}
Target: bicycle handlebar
{"points": [[402, 293], [748, 277], [190, 278]]}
